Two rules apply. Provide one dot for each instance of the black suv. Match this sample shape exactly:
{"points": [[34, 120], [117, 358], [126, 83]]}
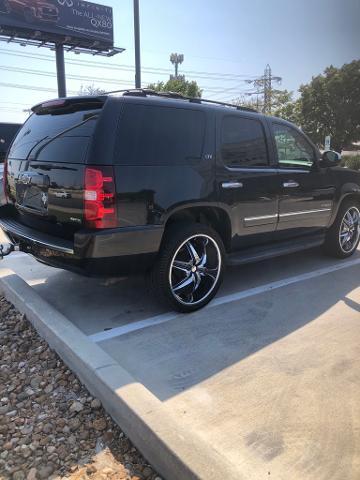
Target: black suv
{"points": [[173, 186]]}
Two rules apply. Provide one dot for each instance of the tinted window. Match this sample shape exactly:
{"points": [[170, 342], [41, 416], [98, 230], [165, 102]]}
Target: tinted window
{"points": [[152, 135], [293, 149], [243, 143], [55, 137]]}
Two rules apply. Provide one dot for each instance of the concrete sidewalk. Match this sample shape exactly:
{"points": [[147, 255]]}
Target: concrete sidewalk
{"points": [[154, 430]]}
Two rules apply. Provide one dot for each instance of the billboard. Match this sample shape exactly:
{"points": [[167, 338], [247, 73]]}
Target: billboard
{"points": [[72, 22]]}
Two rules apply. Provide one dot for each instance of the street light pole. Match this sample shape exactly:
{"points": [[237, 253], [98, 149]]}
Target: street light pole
{"points": [[137, 45]]}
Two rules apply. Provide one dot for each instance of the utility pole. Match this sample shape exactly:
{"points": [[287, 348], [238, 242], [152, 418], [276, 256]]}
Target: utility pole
{"points": [[137, 44], [265, 83], [176, 59], [268, 79]]}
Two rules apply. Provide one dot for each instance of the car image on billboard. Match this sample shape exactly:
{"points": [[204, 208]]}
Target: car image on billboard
{"points": [[34, 10], [73, 22]]}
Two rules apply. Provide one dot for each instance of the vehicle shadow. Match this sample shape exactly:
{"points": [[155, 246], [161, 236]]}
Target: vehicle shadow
{"points": [[175, 356], [171, 358], [95, 304]]}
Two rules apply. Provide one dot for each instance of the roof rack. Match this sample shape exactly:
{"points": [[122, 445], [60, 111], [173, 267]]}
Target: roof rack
{"points": [[144, 92]]}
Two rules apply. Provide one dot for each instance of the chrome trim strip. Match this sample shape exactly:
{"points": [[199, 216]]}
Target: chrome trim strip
{"points": [[228, 185], [14, 231], [270, 169], [46, 244], [304, 212], [289, 214], [263, 217]]}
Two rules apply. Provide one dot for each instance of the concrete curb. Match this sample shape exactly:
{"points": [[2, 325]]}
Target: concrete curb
{"points": [[176, 454]]}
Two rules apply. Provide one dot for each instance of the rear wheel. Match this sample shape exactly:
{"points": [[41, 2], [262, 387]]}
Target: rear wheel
{"points": [[344, 235], [190, 267]]}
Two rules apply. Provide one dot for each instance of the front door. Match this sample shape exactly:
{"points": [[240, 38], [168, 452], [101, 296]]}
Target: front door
{"points": [[246, 180], [306, 191]]}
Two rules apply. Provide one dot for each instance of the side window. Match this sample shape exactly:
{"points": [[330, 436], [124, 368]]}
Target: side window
{"points": [[243, 142], [153, 135], [293, 149]]}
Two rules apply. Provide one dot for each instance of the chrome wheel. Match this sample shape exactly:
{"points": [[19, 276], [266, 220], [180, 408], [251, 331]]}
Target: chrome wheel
{"points": [[195, 269], [350, 230]]}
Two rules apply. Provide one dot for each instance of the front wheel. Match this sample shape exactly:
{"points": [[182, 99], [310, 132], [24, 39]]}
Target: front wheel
{"points": [[344, 235], [189, 270]]}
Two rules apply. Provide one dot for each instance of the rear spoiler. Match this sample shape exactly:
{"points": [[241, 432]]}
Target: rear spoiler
{"points": [[69, 105]]}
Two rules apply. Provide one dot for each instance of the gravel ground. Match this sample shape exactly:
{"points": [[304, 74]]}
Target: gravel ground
{"points": [[50, 426]]}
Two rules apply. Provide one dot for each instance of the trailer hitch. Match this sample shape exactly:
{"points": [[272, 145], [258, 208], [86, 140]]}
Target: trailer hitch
{"points": [[7, 248]]}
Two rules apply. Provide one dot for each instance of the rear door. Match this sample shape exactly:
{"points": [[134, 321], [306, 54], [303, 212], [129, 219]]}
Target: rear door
{"points": [[46, 164], [246, 179], [306, 192]]}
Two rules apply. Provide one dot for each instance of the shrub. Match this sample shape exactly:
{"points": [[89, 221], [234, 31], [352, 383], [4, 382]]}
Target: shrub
{"points": [[351, 161]]}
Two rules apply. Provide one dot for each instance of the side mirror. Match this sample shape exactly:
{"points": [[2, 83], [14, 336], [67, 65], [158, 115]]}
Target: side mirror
{"points": [[330, 159]]}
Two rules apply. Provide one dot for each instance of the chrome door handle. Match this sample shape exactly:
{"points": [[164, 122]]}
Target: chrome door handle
{"points": [[290, 184], [232, 185]]}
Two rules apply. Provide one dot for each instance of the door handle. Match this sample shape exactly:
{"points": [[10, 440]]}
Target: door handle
{"points": [[290, 184], [232, 185]]}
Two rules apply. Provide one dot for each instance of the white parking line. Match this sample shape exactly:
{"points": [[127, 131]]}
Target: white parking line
{"points": [[166, 317]]}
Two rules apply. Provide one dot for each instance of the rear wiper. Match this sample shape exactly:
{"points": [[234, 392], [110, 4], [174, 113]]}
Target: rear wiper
{"points": [[36, 144]]}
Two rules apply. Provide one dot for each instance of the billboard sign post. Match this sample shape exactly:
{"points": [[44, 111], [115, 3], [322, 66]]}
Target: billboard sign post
{"points": [[60, 70]]}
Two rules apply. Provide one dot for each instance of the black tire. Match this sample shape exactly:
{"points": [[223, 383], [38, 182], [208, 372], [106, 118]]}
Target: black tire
{"points": [[333, 243], [205, 280]]}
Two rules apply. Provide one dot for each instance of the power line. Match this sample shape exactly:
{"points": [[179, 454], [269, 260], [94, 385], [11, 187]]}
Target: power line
{"points": [[111, 81], [130, 68], [31, 87], [73, 77]]}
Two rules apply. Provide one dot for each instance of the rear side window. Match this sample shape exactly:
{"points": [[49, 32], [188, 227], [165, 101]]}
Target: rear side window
{"points": [[243, 143], [55, 137], [152, 135]]}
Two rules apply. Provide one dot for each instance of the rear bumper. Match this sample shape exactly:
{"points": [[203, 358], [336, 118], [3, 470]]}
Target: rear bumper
{"points": [[106, 252]]}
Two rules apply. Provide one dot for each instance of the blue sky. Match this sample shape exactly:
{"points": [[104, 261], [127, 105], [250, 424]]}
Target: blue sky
{"points": [[298, 39]]}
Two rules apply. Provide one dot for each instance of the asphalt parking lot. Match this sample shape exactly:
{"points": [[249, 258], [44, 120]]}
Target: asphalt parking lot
{"points": [[268, 374]]}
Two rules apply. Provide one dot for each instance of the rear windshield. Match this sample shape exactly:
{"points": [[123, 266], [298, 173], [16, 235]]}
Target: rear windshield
{"points": [[7, 133], [157, 135], [55, 137]]}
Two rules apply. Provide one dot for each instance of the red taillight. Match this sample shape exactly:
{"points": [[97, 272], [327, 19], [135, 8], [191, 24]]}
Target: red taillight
{"points": [[100, 197]]}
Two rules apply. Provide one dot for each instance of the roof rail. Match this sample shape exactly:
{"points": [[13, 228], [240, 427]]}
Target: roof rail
{"points": [[144, 92]]}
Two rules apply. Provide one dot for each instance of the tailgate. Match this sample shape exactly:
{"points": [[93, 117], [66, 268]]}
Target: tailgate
{"points": [[49, 191], [46, 163]]}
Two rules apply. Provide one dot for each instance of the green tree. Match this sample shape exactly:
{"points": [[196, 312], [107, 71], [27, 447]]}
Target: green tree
{"points": [[248, 102], [91, 90], [186, 88], [330, 105], [283, 105]]}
